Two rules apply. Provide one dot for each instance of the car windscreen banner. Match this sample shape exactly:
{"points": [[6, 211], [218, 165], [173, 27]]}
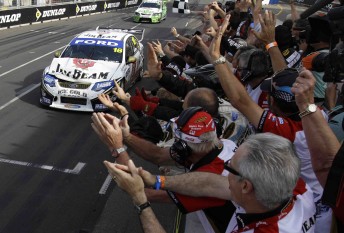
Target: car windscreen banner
{"points": [[97, 42]]}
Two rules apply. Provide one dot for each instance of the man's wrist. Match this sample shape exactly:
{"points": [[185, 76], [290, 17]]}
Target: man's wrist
{"points": [[126, 136], [271, 45], [139, 198], [302, 106], [308, 110]]}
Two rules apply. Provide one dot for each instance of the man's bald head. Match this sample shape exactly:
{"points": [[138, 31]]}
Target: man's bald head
{"points": [[203, 97]]}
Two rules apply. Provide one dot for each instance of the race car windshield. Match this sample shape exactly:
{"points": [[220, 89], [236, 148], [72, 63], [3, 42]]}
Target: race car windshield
{"points": [[94, 52], [150, 5]]}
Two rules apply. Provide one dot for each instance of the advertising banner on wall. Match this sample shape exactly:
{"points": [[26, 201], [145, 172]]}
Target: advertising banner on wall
{"points": [[54, 12], [112, 5], [10, 18]]}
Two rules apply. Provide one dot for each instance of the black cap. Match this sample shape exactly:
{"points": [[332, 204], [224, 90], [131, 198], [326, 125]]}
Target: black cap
{"points": [[231, 45], [176, 65], [283, 37], [279, 85], [189, 51], [320, 29]]}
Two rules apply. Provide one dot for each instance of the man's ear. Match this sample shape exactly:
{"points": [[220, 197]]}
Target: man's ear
{"points": [[246, 186]]}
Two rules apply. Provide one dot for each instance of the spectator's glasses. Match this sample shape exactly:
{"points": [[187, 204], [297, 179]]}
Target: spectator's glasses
{"points": [[240, 73], [231, 170]]}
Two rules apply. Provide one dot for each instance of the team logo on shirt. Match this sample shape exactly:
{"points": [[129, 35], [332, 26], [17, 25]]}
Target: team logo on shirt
{"points": [[308, 224], [281, 121]]}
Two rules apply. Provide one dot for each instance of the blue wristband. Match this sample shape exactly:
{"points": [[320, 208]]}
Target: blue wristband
{"points": [[157, 184]]}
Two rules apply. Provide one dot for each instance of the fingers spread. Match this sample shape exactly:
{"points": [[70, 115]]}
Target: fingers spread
{"points": [[151, 54]]}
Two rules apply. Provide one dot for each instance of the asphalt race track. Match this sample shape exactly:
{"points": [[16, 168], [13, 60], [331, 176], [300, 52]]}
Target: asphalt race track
{"points": [[51, 174]]}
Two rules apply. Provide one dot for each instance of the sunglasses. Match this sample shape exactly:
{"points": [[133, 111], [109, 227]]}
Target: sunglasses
{"points": [[232, 170]]}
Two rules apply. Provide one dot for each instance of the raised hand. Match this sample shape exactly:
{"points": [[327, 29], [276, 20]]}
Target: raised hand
{"points": [[303, 89], [157, 47], [105, 99], [120, 93], [129, 180], [174, 31], [214, 48], [108, 130], [153, 65], [267, 22]]}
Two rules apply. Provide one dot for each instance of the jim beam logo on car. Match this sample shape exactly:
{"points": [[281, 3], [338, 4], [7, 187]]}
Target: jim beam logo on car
{"points": [[10, 18], [86, 8], [50, 13], [79, 74], [111, 5]]}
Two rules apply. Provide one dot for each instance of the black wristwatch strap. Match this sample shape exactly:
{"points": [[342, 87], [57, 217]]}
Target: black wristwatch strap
{"points": [[141, 207]]}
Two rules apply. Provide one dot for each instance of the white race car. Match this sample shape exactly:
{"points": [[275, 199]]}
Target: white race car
{"points": [[89, 65]]}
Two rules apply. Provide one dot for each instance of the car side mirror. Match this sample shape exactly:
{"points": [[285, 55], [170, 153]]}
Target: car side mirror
{"points": [[57, 53], [131, 59]]}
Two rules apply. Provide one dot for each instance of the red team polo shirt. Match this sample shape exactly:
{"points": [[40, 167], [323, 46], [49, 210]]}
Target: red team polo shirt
{"points": [[293, 131], [214, 163]]}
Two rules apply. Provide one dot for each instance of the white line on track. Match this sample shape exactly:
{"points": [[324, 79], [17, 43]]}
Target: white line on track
{"points": [[105, 185], [19, 96], [27, 63], [75, 171], [30, 89], [136, 26]]}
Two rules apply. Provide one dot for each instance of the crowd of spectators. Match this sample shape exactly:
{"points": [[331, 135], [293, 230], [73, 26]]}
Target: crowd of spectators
{"points": [[238, 125]]}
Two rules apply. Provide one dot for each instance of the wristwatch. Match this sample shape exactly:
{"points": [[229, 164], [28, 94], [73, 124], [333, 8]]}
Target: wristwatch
{"points": [[310, 109], [120, 150], [161, 55], [140, 208], [117, 151], [220, 60]]}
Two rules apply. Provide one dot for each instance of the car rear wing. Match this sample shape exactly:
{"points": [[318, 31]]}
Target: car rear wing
{"points": [[132, 31]]}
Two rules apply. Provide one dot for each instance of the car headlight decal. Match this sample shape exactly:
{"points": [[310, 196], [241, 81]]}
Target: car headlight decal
{"points": [[49, 80], [99, 86]]}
